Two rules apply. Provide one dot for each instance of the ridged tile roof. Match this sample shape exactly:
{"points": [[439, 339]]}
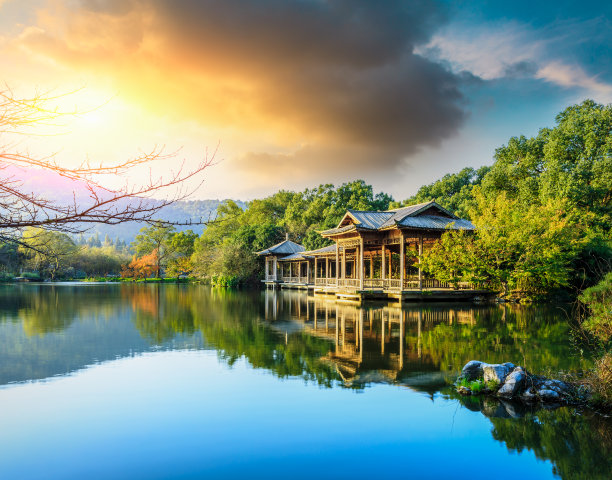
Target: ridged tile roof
{"points": [[372, 220], [434, 222], [286, 247], [294, 256], [322, 251], [409, 217]]}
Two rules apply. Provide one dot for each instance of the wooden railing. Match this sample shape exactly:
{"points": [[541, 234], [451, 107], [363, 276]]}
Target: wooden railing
{"points": [[273, 278], [349, 282], [373, 283], [411, 283], [433, 283]]}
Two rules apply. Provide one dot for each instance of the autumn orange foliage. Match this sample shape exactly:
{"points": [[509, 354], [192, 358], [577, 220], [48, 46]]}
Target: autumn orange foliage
{"points": [[141, 267]]}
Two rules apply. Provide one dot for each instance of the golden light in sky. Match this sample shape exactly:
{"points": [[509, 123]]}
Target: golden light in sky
{"points": [[295, 93]]}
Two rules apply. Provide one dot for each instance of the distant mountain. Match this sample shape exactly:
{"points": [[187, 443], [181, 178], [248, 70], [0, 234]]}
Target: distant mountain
{"points": [[64, 191], [183, 211]]}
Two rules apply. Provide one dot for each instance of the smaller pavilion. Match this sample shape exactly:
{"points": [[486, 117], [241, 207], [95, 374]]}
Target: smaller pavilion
{"points": [[285, 251]]}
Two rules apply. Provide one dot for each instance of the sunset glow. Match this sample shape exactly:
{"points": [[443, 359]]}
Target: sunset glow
{"points": [[301, 93]]}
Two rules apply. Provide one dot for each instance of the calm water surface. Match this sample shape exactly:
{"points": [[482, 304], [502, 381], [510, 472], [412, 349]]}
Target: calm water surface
{"points": [[149, 381]]}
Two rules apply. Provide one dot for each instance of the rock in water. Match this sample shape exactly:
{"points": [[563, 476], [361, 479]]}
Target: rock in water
{"points": [[464, 390], [497, 372], [513, 383], [529, 396], [547, 395], [472, 370]]}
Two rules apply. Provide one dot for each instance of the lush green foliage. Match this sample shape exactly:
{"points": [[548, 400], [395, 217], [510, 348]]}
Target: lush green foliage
{"points": [[226, 248], [599, 301], [452, 191], [47, 252], [543, 210]]}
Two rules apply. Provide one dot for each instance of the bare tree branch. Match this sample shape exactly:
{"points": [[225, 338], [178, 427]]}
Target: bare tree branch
{"points": [[20, 209]]}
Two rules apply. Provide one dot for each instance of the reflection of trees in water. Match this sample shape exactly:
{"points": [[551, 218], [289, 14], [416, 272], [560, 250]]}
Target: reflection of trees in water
{"points": [[535, 337], [399, 342], [231, 322], [49, 308], [578, 443]]}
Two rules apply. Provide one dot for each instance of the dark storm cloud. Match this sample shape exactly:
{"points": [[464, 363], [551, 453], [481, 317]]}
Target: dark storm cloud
{"points": [[520, 69], [336, 73]]}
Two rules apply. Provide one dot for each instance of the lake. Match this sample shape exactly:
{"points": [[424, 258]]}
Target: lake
{"points": [[103, 381]]}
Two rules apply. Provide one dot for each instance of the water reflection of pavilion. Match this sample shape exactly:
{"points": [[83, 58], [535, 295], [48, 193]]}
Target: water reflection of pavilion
{"points": [[371, 343]]}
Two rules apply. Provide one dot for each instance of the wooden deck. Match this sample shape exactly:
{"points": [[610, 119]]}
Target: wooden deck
{"points": [[354, 294]]}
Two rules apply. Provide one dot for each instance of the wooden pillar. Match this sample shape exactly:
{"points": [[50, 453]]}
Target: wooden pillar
{"points": [[326, 267], [371, 266], [343, 263], [267, 269], [315, 270], [390, 264], [402, 259], [337, 331], [419, 351], [337, 260], [420, 253], [361, 266], [401, 340], [361, 315], [275, 269], [307, 271], [382, 332], [383, 262]]}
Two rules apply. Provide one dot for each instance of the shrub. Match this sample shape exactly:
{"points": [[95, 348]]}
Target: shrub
{"points": [[225, 280]]}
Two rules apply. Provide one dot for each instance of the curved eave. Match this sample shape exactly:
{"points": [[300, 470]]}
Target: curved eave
{"points": [[340, 231]]}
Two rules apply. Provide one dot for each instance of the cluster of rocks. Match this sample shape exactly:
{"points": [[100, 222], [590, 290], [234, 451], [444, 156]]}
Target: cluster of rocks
{"points": [[506, 380]]}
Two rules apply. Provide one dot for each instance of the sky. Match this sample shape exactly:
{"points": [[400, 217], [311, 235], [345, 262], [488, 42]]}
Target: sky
{"points": [[289, 94]]}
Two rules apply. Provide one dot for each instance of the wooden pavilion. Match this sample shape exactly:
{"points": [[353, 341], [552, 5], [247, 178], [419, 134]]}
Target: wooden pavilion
{"points": [[374, 252]]}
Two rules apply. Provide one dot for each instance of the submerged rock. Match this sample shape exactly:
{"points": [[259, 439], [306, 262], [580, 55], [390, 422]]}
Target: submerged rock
{"points": [[547, 395], [529, 396], [464, 390]]}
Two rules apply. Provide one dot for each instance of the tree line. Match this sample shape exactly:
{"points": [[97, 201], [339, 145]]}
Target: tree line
{"points": [[542, 213]]}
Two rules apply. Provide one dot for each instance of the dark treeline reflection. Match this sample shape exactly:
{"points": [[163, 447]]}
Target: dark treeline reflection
{"points": [[579, 443], [48, 330]]}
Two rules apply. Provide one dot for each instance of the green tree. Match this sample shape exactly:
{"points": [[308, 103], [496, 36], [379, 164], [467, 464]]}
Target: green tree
{"points": [[452, 191], [47, 252], [158, 238]]}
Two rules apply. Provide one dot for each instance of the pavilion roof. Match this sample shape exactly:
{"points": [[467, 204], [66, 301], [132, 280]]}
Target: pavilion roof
{"points": [[294, 256], [412, 216], [322, 251], [286, 247]]}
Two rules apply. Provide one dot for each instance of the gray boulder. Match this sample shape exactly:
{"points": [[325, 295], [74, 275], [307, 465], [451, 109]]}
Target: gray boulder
{"points": [[472, 370], [558, 386], [497, 372], [547, 395], [513, 383]]}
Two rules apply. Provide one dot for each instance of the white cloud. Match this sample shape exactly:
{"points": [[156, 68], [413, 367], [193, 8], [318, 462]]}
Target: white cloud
{"points": [[486, 52], [511, 49], [574, 76]]}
